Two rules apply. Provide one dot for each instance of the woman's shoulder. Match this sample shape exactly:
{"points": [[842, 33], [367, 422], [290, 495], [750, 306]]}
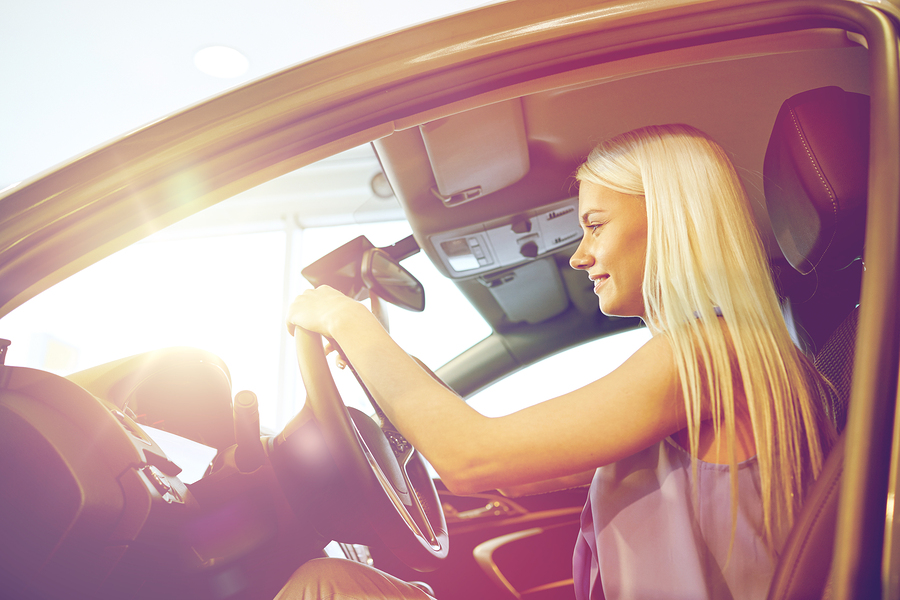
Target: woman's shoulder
{"points": [[650, 369], [657, 349]]}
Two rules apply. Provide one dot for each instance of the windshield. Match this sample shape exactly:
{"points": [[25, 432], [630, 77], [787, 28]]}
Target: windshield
{"points": [[221, 281]]}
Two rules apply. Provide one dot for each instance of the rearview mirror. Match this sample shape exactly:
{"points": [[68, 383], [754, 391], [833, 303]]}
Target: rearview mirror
{"points": [[358, 267], [387, 279]]}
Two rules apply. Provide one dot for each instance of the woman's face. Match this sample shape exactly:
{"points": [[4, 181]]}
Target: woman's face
{"points": [[613, 248]]}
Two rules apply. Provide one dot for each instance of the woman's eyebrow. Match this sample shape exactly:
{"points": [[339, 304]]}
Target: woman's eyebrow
{"points": [[588, 213]]}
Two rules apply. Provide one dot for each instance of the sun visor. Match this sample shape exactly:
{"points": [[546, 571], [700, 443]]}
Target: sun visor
{"points": [[477, 152]]}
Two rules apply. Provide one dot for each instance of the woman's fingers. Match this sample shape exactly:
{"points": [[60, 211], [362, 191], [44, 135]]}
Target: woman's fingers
{"points": [[339, 359], [311, 309]]}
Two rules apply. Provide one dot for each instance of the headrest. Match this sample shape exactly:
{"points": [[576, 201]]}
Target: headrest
{"points": [[816, 178]]}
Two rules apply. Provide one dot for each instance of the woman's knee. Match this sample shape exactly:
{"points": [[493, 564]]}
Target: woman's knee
{"points": [[338, 579]]}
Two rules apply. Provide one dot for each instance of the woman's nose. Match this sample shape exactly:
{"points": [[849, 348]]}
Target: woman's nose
{"points": [[580, 259]]}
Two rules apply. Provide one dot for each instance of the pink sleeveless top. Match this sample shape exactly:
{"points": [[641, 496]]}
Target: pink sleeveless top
{"points": [[645, 533]]}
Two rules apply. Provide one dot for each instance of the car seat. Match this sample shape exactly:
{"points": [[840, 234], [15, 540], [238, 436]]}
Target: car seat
{"points": [[816, 173]]}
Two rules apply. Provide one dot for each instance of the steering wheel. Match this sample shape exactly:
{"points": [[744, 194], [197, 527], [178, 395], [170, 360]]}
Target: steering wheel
{"points": [[378, 465]]}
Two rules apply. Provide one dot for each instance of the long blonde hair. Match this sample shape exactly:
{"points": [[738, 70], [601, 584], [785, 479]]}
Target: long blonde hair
{"points": [[704, 255]]}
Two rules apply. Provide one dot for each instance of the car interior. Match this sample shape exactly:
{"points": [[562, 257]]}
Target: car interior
{"points": [[96, 503]]}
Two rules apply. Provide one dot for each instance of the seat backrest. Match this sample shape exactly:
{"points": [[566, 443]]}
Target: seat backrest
{"points": [[816, 173]]}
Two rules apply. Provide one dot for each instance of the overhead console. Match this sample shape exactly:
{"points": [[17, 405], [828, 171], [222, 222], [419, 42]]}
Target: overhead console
{"points": [[509, 241], [487, 206]]}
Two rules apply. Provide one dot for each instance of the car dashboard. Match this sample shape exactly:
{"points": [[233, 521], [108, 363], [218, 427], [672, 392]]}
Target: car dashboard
{"points": [[98, 508]]}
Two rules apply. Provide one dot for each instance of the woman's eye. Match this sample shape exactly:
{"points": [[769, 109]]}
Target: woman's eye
{"points": [[595, 227]]}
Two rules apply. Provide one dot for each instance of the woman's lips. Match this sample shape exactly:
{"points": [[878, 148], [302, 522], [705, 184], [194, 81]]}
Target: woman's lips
{"points": [[599, 282]]}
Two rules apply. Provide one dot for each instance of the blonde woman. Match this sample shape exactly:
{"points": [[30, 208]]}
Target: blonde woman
{"points": [[700, 446]]}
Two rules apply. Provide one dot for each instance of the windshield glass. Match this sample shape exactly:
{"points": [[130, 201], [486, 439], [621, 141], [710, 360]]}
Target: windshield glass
{"points": [[558, 374], [221, 281]]}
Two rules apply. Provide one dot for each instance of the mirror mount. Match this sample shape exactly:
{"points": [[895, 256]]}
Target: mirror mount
{"points": [[403, 249]]}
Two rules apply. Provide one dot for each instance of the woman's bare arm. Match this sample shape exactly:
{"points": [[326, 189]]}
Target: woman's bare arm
{"points": [[557, 484], [612, 418]]}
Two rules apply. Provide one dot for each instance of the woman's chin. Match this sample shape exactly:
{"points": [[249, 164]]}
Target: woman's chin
{"points": [[610, 312], [614, 310]]}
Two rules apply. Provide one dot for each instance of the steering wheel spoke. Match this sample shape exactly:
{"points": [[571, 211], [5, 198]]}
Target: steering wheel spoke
{"points": [[404, 497]]}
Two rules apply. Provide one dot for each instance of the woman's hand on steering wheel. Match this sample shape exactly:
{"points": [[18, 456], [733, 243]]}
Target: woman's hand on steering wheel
{"points": [[315, 310], [319, 309]]}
